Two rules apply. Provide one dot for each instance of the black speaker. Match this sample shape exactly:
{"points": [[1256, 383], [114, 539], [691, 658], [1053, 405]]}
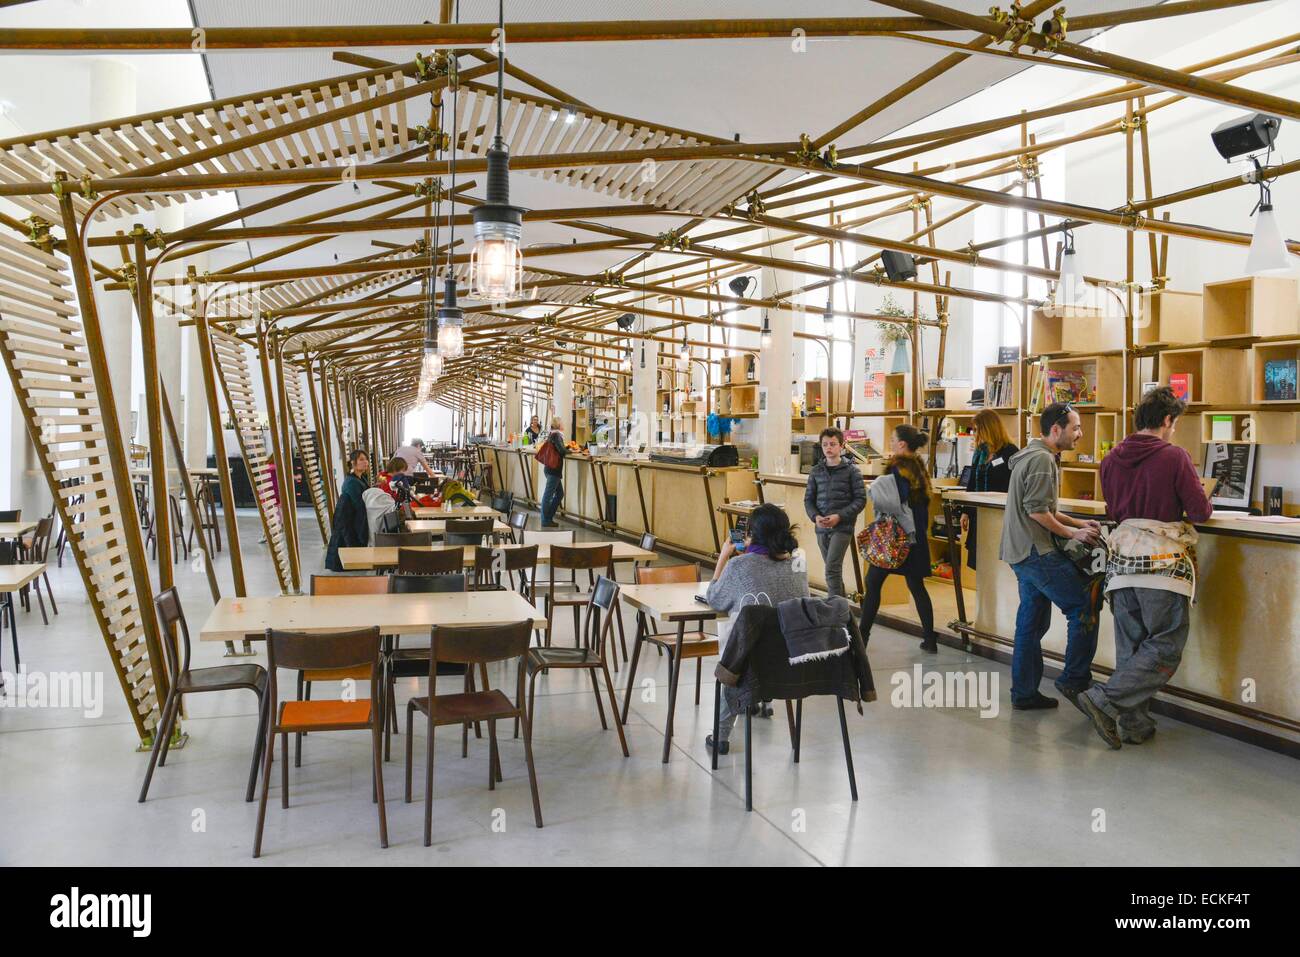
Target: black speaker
{"points": [[1245, 134], [626, 321], [899, 267]]}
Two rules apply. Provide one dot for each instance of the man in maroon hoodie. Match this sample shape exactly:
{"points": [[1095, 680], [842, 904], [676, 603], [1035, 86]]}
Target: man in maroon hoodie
{"points": [[1151, 488]]}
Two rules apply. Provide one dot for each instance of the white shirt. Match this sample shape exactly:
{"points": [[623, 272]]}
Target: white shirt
{"points": [[413, 457]]}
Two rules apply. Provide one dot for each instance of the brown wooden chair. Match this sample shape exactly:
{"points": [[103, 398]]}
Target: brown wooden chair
{"points": [[489, 563], [597, 631], [467, 531], [336, 585], [572, 558], [472, 646], [694, 644], [438, 561], [342, 651], [39, 551], [402, 539], [186, 680]]}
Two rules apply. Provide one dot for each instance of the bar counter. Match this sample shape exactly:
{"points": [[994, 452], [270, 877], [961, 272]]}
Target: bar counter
{"points": [[1241, 667]]}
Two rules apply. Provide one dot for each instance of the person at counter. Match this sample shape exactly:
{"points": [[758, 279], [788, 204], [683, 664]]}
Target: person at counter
{"points": [[833, 499], [534, 430], [351, 527], [553, 494], [764, 572], [1149, 485], [990, 469], [1045, 575], [904, 493]]}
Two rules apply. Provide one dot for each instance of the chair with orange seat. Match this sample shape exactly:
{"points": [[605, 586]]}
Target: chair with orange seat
{"points": [[330, 654], [336, 585], [695, 644]]}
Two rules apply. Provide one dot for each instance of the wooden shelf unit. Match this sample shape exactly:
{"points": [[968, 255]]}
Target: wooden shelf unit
{"points": [[1218, 375], [898, 392], [1263, 353], [1074, 329], [1252, 306], [1253, 427], [739, 370], [1011, 402], [1168, 317]]}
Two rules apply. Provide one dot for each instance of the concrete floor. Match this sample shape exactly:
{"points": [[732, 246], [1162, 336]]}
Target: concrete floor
{"points": [[937, 785]]}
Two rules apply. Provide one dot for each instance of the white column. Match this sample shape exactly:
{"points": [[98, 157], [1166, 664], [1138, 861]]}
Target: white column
{"points": [[776, 371], [513, 421], [644, 386], [562, 399], [113, 94]]}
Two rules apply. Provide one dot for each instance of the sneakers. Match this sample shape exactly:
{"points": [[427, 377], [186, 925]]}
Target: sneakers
{"points": [[723, 746], [1103, 723], [1039, 702], [1073, 695]]}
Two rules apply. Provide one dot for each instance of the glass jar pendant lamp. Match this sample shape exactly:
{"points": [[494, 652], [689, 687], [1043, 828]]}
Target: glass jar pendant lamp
{"points": [[451, 323], [496, 264]]}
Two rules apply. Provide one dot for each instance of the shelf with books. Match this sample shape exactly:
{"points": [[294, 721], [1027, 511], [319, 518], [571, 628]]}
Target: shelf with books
{"points": [[1251, 306], [1216, 376], [1253, 428], [1273, 372], [1168, 317], [1002, 386], [1096, 380], [1054, 330]]}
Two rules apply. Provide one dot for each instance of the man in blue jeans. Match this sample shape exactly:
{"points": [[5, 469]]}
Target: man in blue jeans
{"points": [[1046, 577]]}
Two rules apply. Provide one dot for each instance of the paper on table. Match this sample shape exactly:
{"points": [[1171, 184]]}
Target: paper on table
{"points": [[1243, 517]]}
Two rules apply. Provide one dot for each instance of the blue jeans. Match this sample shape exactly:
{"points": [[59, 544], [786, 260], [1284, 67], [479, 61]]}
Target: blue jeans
{"points": [[552, 496], [1047, 580]]}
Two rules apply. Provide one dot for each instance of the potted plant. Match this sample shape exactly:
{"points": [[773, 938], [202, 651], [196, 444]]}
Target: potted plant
{"points": [[895, 333]]}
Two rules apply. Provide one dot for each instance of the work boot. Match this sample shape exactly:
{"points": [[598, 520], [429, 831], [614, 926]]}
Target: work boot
{"points": [[1103, 723]]}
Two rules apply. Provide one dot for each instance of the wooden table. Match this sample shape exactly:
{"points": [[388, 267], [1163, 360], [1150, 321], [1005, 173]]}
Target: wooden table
{"points": [[436, 526], [370, 558], [234, 618], [16, 529], [13, 578], [670, 603], [432, 514]]}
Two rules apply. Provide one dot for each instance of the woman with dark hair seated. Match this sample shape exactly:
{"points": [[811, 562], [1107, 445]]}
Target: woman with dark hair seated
{"points": [[351, 529], [765, 571]]}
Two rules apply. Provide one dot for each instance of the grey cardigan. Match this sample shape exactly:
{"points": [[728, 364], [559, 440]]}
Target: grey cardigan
{"points": [[756, 580], [883, 493]]}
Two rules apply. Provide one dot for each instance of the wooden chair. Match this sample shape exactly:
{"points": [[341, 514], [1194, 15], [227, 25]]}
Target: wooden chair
{"points": [[503, 502], [571, 558], [597, 631], [336, 585], [186, 680], [467, 531], [439, 561], [694, 644], [401, 539], [39, 551], [342, 651], [488, 568], [209, 528], [472, 646], [408, 662]]}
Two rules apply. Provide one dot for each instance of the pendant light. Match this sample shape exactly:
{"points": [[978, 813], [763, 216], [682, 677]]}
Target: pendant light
{"points": [[451, 322], [496, 264], [1070, 285], [1268, 250], [765, 337], [828, 318]]}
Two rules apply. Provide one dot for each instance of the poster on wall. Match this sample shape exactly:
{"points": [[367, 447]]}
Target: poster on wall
{"points": [[873, 375], [1233, 464]]}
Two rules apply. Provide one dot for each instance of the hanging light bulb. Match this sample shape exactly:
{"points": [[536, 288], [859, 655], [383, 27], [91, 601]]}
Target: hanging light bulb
{"points": [[1268, 250], [828, 317], [451, 323], [1069, 287], [684, 357], [627, 361], [496, 265], [765, 338]]}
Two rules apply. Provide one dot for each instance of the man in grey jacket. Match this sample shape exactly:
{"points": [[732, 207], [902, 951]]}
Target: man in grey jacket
{"points": [[834, 497], [1045, 576]]}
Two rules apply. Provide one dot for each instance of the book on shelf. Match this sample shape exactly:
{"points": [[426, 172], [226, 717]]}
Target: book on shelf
{"points": [[1221, 428], [998, 391], [1181, 383], [1280, 380], [1066, 385]]}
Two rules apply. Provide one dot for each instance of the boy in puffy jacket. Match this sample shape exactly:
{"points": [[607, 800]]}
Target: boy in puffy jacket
{"points": [[834, 497]]}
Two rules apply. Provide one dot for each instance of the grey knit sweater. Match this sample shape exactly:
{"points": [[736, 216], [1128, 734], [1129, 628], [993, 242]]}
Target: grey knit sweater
{"points": [[756, 579]]}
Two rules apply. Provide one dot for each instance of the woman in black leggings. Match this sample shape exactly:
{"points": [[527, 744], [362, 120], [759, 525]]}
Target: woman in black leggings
{"points": [[908, 470]]}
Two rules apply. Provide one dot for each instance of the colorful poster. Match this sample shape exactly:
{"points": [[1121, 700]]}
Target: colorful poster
{"points": [[873, 377]]}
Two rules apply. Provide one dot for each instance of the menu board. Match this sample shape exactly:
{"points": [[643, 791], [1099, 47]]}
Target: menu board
{"points": [[1233, 464]]}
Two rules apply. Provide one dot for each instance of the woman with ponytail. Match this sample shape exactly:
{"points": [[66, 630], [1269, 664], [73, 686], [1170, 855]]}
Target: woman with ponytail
{"points": [[907, 499]]}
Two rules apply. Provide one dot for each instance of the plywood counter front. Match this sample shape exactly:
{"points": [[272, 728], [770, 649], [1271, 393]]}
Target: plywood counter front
{"points": [[1242, 660], [675, 502]]}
